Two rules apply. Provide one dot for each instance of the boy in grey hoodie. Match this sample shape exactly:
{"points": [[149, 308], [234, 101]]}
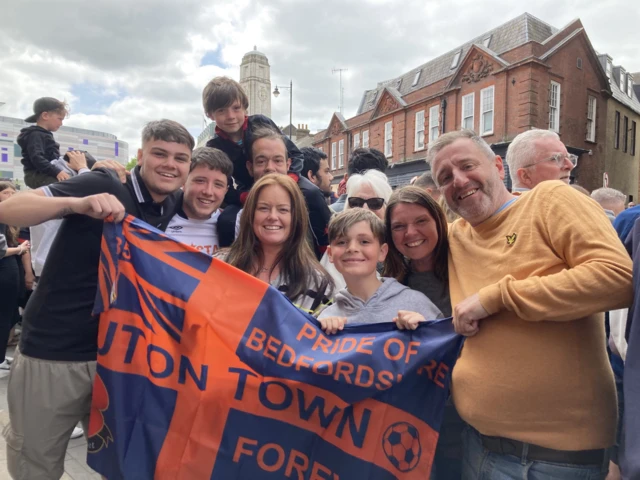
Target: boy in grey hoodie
{"points": [[356, 245]]}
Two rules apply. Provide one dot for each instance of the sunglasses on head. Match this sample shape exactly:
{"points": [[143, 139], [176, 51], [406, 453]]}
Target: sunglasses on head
{"points": [[375, 203]]}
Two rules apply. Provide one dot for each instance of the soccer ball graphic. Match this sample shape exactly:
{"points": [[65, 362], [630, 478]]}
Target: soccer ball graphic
{"points": [[401, 444]]}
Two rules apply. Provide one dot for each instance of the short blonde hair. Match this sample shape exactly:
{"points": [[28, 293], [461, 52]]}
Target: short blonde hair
{"points": [[341, 223]]}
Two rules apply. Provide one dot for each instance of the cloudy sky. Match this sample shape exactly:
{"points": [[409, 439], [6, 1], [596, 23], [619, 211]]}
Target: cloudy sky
{"points": [[121, 63]]}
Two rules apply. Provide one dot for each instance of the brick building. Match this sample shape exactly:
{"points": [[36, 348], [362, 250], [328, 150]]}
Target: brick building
{"points": [[621, 155], [523, 74]]}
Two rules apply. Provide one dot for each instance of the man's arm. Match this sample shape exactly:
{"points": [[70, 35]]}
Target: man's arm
{"points": [[34, 207], [599, 273], [35, 150]]}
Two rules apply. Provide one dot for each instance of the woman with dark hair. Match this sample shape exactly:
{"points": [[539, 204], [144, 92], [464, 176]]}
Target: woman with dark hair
{"points": [[273, 244], [417, 232], [11, 285]]}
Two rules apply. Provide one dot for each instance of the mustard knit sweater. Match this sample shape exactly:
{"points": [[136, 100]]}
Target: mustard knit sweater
{"points": [[544, 268]]}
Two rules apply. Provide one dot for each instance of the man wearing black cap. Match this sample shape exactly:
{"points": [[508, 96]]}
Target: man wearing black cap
{"points": [[37, 143]]}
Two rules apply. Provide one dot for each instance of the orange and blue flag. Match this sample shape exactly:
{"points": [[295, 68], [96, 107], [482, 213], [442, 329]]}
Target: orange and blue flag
{"points": [[205, 372]]}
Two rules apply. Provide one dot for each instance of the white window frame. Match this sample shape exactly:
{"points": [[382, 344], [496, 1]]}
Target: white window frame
{"points": [[356, 140], [469, 114], [486, 109], [609, 69], [365, 139], [456, 59], [623, 80], [434, 122], [341, 153], [554, 107], [591, 118], [629, 85], [388, 139], [333, 155], [416, 78], [419, 135]]}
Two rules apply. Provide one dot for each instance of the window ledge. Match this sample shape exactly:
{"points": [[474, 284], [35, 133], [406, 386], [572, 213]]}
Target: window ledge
{"points": [[486, 134]]}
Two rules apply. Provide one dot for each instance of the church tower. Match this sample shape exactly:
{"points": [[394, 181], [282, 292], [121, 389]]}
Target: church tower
{"points": [[255, 78]]}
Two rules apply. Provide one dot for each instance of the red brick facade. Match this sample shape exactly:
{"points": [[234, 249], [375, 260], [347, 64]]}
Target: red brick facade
{"points": [[521, 81]]}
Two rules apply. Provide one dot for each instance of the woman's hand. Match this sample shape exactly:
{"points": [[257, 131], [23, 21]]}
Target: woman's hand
{"points": [[332, 325], [408, 320], [24, 247]]}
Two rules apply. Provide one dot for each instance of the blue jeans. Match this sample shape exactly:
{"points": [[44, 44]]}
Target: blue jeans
{"points": [[479, 463]]}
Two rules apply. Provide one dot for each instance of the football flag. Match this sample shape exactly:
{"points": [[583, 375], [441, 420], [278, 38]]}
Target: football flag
{"points": [[205, 372]]}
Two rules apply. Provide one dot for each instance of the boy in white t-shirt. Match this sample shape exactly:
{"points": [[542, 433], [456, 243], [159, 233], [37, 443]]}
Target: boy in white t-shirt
{"points": [[195, 223]]}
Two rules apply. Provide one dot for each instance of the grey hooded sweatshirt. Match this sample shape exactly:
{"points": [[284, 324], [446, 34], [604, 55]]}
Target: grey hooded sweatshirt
{"points": [[383, 305]]}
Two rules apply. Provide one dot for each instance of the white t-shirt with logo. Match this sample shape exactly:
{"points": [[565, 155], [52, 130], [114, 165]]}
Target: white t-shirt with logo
{"points": [[199, 234]]}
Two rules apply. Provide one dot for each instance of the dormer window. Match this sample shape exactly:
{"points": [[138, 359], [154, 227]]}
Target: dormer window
{"points": [[486, 41], [629, 84], [416, 79], [623, 80], [609, 69], [456, 59]]}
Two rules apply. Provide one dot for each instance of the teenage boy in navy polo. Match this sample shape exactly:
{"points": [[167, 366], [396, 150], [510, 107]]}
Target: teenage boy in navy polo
{"points": [[51, 378]]}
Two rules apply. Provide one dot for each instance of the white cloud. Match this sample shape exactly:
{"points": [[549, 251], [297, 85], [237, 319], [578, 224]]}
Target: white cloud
{"points": [[121, 63]]}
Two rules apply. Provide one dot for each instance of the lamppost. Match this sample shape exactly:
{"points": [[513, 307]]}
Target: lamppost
{"points": [[276, 92]]}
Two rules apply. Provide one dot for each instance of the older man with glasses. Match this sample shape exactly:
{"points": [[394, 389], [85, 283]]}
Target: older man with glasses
{"points": [[538, 155]]}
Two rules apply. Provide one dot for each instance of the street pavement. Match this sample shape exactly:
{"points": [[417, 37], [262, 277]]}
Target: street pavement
{"points": [[75, 464]]}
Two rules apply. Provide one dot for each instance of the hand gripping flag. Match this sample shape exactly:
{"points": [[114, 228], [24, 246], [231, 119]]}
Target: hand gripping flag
{"points": [[205, 372]]}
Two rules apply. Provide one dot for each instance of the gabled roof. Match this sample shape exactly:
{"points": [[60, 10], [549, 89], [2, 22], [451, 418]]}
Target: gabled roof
{"points": [[393, 102], [474, 51], [290, 130], [522, 29], [597, 63], [337, 119]]}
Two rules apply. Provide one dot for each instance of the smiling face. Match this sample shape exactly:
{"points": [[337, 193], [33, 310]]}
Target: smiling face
{"points": [[414, 231], [544, 168], [230, 119], [272, 218], [470, 182], [357, 253], [204, 192], [164, 167]]}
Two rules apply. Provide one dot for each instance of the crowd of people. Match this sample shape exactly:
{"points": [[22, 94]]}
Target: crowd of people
{"points": [[526, 275]]}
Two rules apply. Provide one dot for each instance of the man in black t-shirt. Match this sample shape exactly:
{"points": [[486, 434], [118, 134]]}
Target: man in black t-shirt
{"points": [[51, 379]]}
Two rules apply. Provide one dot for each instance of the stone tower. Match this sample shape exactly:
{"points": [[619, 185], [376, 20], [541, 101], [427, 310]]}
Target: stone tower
{"points": [[255, 78]]}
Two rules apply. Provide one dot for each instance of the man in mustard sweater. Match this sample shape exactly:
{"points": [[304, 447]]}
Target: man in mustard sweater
{"points": [[529, 277]]}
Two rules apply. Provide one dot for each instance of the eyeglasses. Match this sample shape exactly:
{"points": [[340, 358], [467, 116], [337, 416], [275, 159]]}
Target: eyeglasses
{"points": [[374, 203], [559, 158]]}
